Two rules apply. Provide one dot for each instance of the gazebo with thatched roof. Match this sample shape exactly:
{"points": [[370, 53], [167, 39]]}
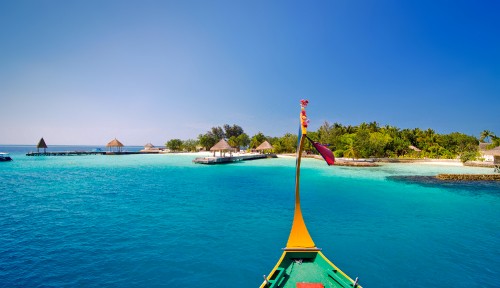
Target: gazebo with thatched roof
{"points": [[264, 146], [115, 143], [150, 148], [41, 144], [222, 146]]}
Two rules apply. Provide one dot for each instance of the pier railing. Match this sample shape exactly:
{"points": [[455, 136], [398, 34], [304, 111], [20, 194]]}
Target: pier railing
{"points": [[66, 153], [220, 160]]}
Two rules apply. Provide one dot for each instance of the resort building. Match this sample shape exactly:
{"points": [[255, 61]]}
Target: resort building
{"points": [[487, 154], [150, 148]]}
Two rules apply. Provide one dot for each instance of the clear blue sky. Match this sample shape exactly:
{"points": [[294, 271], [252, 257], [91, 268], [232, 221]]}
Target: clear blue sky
{"points": [[84, 72]]}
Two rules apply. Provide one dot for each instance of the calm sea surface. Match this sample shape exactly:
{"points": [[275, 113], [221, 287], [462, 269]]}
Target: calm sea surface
{"points": [[162, 221]]}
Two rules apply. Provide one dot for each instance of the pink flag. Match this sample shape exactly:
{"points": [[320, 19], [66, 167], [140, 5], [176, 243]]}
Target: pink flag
{"points": [[324, 151]]}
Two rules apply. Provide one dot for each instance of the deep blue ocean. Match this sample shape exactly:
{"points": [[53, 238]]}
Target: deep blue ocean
{"points": [[162, 221]]}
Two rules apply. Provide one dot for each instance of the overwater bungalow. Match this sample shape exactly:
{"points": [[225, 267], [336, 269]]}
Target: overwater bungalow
{"points": [[222, 146], [115, 144], [41, 144], [150, 148]]}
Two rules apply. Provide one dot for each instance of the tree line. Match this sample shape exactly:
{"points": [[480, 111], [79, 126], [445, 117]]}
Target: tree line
{"points": [[366, 140]]}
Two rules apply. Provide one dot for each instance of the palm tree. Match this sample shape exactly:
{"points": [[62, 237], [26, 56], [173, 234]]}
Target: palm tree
{"points": [[324, 132], [257, 139], [350, 129], [430, 138], [363, 126], [339, 127], [373, 126], [486, 134], [390, 130], [350, 151], [495, 142]]}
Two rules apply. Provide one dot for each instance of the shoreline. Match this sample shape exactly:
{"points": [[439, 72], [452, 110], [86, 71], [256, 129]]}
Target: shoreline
{"points": [[360, 162]]}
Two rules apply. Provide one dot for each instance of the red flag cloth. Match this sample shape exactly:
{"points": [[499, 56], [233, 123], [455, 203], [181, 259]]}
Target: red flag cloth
{"points": [[324, 151], [310, 285]]}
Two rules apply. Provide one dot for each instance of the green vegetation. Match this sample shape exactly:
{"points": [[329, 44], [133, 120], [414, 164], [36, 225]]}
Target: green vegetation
{"points": [[367, 140], [234, 134], [189, 145], [177, 145], [285, 144], [174, 145]]}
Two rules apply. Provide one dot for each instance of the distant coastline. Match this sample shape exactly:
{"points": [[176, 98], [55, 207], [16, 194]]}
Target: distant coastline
{"points": [[340, 161]]}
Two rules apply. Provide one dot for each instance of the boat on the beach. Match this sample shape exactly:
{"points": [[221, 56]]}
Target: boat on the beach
{"points": [[4, 157], [302, 264]]}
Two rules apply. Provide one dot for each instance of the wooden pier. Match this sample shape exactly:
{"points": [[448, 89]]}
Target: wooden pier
{"points": [[83, 153], [125, 153], [231, 159], [66, 153]]}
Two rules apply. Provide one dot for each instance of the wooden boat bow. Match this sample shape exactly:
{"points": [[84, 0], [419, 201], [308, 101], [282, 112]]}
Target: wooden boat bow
{"points": [[302, 264]]}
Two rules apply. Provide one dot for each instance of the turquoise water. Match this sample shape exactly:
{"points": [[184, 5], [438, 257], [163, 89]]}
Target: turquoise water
{"points": [[161, 221]]}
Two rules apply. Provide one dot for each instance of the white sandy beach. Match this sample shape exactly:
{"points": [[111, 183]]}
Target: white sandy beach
{"points": [[410, 162], [449, 162], [441, 163]]}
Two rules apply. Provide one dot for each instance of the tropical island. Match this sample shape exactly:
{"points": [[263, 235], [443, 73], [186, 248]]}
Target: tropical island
{"points": [[366, 140]]}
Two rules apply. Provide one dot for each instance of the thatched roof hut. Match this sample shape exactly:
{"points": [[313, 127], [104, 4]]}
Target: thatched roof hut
{"points": [[115, 143], [41, 144], [488, 154], [222, 146], [494, 152], [150, 148], [483, 147], [264, 146]]}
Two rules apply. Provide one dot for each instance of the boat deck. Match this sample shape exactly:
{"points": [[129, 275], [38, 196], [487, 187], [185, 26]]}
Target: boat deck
{"points": [[307, 268], [309, 271]]}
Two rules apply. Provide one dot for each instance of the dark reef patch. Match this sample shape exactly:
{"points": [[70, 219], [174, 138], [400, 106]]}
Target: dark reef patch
{"points": [[474, 187]]}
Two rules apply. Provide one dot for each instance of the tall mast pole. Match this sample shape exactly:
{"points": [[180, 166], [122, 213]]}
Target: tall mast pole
{"points": [[299, 238]]}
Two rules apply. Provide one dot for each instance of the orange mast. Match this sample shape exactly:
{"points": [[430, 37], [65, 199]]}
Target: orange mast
{"points": [[299, 238]]}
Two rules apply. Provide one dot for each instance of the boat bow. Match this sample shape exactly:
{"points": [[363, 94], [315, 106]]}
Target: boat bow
{"points": [[302, 264], [300, 238]]}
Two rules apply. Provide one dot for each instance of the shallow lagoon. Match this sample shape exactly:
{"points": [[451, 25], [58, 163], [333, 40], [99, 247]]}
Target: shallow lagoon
{"points": [[160, 220]]}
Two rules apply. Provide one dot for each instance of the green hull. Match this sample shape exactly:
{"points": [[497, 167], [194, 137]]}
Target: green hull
{"points": [[306, 267]]}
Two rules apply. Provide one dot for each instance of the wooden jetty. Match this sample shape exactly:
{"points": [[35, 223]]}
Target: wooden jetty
{"points": [[125, 152], [231, 159], [84, 153], [66, 153], [113, 144]]}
